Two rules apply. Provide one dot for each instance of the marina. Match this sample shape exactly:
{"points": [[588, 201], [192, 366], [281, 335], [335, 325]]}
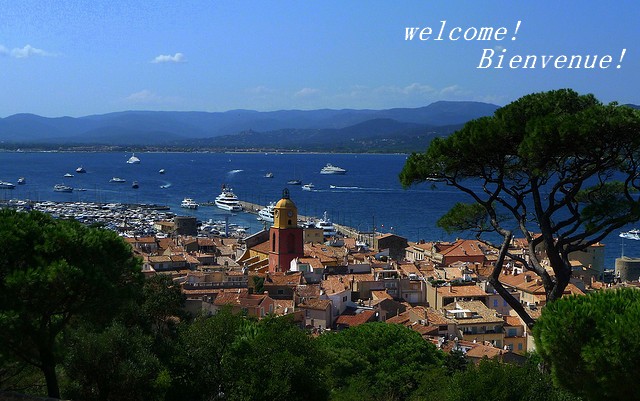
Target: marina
{"points": [[369, 197]]}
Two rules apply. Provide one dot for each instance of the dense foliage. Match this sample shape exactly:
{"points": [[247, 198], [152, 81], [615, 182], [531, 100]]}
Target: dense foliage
{"points": [[591, 343], [558, 164]]}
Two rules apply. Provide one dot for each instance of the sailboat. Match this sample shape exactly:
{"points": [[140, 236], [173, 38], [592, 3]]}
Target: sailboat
{"points": [[133, 159]]}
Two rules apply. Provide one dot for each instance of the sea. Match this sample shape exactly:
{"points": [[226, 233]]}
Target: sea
{"points": [[368, 197]]}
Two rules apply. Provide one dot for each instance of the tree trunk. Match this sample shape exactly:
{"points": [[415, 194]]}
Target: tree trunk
{"points": [[49, 370]]}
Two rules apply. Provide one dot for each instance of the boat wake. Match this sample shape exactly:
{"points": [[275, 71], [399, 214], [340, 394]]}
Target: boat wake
{"points": [[336, 188], [166, 185], [235, 171]]}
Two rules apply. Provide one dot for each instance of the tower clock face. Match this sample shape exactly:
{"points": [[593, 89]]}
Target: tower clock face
{"points": [[290, 213]]}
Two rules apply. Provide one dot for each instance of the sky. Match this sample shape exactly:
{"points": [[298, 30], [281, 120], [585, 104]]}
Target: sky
{"points": [[76, 58]]}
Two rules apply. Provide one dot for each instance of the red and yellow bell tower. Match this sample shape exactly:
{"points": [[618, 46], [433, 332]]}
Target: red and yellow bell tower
{"points": [[286, 237]]}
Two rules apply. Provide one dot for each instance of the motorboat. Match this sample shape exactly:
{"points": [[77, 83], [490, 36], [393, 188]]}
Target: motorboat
{"points": [[22, 181], [6, 185], [135, 185], [294, 182], [328, 229], [80, 170], [308, 187], [68, 175], [117, 180], [62, 188], [266, 213], [133, 159], [631, 234], [268, 175], [188, 203], [227, 200], [331, 169], [161, 171]]}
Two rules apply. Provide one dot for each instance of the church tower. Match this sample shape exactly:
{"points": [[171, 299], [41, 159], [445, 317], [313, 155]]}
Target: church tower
{"points": [[285, 235]]}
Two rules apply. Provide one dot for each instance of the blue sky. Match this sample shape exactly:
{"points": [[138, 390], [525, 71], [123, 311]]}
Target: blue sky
{"points": [[78, 58]]}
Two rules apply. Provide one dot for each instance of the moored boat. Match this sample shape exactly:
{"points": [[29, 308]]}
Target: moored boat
{"points": [[631, 234], [133, 159], [331, 169], [266, 213], [227, 200], [328, 229], [188, 203]]}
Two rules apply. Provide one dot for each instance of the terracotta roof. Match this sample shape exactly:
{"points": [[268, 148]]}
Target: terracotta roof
{"points": [[315, 304], [513, 321], [471, 290], [281, 279], [380, 294], [479, 313], [464, 247], [335, 284], [263, 247], [351, 319], [308, 290]]}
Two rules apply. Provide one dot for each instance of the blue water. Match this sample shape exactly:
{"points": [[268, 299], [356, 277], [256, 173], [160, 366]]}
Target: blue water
{"points": [[369, 194]]}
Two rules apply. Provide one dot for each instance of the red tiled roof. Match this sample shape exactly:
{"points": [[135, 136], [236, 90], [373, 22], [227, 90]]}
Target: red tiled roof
{"points": [[356, 319]]}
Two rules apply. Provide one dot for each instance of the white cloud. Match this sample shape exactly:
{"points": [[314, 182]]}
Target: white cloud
{"points": [[260, 90], [167, 58], [146, 96], [24, 52], [306, 92], [29, 51]]}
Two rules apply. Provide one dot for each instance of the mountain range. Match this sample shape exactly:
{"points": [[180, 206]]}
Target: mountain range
{"points": [[397, 129]]}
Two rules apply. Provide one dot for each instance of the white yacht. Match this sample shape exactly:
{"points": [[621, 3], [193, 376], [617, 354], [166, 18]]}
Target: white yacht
{"points": [[328, 230], [117, 180], [308, 187], [268, 175], [6, 185], [133, 159], [22, 181], [227, 200], [189, 203], [331, 169], [266, 214], [161, 171], [62, 188], [631, 234], [81, 170]]}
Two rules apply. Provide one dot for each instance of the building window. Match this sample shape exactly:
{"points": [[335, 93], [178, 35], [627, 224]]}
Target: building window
{"points": [[520, 347], [344, 299], [495, 303], [280, 292]]}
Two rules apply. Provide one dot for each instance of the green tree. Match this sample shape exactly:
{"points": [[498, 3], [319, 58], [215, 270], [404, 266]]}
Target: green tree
{"points": [[377, 361], [52, 271], [113, 364], [591, 343], [559, 163], [274, 360], [197, 369]]}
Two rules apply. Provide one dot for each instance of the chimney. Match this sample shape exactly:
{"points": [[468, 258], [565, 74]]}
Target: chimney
{"points": [[527, 278]]}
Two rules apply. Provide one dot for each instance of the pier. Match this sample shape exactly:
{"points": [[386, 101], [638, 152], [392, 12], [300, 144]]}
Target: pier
{"points": [[351, 232]]}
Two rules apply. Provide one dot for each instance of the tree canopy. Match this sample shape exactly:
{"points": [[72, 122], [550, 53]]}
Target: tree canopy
{"points": [[558, 168], [591, 343], [52, 271]]}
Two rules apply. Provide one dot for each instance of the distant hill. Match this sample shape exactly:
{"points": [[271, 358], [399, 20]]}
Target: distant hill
{"points": [[295, 129]]}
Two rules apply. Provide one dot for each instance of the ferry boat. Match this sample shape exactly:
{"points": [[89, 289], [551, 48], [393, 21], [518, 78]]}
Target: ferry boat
{"points": [[62, 188], [331, 169], [117, 180], [227, 200], [266, 214], [133, 159], [308, 187], [328, 229], [81, 170], [188, 203]]}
